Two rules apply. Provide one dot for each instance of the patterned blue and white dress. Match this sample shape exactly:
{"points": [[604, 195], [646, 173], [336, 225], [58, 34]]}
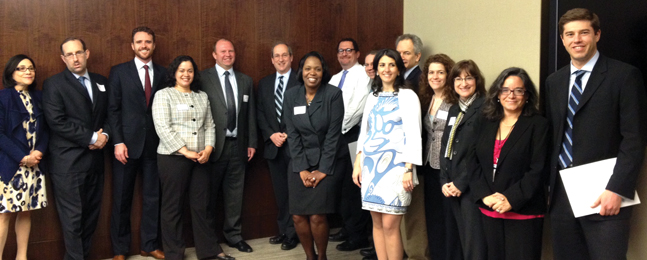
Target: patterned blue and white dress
{"points": [[383, 147]]}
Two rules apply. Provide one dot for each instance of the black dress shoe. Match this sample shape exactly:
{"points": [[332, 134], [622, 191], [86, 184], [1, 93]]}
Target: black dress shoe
{"points": [[350, 245], [275, 240], [242, 246], [225, 257], [370, 257], [339, 236], [289, 244], [368, 252]]}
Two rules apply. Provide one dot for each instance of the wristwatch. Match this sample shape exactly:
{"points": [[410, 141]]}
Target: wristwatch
{"points": [[408, 170]]}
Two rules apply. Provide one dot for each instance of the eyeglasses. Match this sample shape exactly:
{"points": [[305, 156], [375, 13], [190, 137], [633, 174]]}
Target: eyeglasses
{"points": [[24, 69], [70, 55], [516, 91], [466, 79], [349, 50]]}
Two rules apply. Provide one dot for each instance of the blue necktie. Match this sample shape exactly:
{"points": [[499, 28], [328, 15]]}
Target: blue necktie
{"points": [[82, 80], [343, 77], [566, 155], [278, 99]]}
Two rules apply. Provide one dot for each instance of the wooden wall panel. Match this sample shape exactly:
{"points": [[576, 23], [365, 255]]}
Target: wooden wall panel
{"points": [[189, 27]]}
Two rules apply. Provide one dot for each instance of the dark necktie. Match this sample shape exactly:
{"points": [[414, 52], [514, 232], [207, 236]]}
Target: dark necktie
{"points": [[566, 155], [82, 80], [278, 99], [231, 104], [343, 77], [147, 86]]}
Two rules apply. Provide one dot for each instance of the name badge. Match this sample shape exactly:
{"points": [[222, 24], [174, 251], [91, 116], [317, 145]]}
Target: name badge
{"points": [[442, 114], [102, 88], [245, 98], [182, 107], [451, 121], [299, 110]]}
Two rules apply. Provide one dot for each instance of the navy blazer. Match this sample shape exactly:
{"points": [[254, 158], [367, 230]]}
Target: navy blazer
{"points": [[266, 111], [314, 136], [522, 168], [13, 137]]}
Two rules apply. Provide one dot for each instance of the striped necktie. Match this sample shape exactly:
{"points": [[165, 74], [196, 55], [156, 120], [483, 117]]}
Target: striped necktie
{"points": [[278, 99], [566, 155]]}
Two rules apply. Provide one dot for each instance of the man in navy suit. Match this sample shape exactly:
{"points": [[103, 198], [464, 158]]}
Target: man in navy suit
{"points": [[269, 109], [132, 87], [597, 107], [75, 102], [410, 48]]}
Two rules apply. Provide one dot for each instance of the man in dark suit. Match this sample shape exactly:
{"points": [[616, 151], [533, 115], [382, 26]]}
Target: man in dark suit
{"points": [[597, 108], [132, 87], [75, 102], [269, 109], [410, 48], [231, 95]]}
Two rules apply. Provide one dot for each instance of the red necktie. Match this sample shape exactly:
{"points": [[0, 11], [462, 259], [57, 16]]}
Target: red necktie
{"points": [[147, 86]]}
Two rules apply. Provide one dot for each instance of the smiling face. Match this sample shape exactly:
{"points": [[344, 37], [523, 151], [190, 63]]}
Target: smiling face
{"points": [[465, 85], [184, 74], [387, 70], [312, 72], [437, 76], [224, 54], [143, 46], [347, 59], [580, 41], [511, 102], [24, 78], [281, 58], [368, 65]]}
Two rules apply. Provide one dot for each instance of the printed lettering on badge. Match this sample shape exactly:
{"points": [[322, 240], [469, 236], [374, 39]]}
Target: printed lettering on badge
{"points": [[299, 110]]}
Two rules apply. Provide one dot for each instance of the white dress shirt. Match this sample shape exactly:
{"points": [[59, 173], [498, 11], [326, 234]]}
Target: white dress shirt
{"points": [[354, 91], [234, 86], [588, 67], [286, 76], [142, 72]]}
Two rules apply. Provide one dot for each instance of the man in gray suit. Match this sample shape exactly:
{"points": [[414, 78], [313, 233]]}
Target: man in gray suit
{"points": [[231, 95]]}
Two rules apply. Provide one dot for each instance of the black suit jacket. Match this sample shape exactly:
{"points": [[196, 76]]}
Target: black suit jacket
{"points": [[266, 111], [72, 119], [456, 170], [314, 137], [610, 121], [247, 136], [414, 78], [130, 119], [521, 169]]}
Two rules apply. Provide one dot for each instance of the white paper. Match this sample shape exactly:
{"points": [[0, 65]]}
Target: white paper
{"points": [[352, 147], [102, 88], [299, 110], [442, 114], [182, 107], [245, 98], [585, 183], [451, 121]]}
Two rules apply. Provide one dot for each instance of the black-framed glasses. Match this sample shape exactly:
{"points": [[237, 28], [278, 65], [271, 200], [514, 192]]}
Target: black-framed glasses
{"points": [[348, 50], [24, 69], [76, 54], [516, 91]]}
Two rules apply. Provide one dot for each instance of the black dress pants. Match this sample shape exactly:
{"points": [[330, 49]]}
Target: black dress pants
{"points": [[279, 170]]}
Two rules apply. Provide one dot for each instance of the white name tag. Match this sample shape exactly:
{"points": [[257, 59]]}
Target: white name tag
{"points": [[182, 107], [442, 114], [451, 121], [245, 98], [102, 88], [299, 110]]}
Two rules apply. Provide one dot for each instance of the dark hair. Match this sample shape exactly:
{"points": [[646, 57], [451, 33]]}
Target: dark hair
{"points": [[355, 46], [326, 74], [69, 39], [172, 69], [10, 68], [143, 29], [470, 67], [399, 83], [279, 43], [425, 92], [493, 110], [578, 14]]}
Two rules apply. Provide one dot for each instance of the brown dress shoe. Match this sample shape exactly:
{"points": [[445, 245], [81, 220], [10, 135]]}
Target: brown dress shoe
{"points": [[119, 257], [157, 254]]}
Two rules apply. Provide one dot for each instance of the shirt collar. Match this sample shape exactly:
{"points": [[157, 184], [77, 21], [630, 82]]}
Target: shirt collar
{"points": [[221, 70], [86, 75], [589, 65], [406, 74], [140, 64], [285, 76]]}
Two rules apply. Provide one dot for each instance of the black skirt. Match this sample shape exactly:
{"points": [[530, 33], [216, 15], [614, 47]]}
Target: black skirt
{"points": [[320, 200]]}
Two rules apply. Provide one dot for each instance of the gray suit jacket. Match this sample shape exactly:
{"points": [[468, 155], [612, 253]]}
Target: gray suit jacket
{"points": [[247, 136]]}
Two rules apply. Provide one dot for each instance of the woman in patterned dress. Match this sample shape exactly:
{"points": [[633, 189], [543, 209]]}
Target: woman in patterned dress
{"points": [[388, 146], [23, 140]]}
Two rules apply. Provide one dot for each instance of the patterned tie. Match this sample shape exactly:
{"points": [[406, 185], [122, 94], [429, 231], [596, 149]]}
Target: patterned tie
{"points": [[343, 77], [231, 104], [82, 80], [566, 155], [278, 99], [147, 86]]}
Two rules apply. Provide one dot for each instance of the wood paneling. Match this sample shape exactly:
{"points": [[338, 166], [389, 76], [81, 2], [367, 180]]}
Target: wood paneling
{"points": [[190, 27]]}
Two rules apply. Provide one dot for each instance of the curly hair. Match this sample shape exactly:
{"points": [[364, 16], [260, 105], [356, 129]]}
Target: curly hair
{"points": [[425, 92]]}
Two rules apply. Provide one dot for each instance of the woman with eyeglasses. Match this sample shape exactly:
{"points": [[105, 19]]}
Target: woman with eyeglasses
{"points": [[463, 220], [510, 168], [23, 140]]}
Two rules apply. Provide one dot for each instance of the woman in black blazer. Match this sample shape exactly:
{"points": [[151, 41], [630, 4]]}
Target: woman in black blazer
{"points": [[463, 222], [23, 140], [313, 114], [510, 165]]}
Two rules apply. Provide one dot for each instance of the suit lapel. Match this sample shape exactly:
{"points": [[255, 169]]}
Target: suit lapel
{"points": [[157, 77], [300, 101], [76, 85], [519, 128], [241, 93], [595, 80], [317, 101], [95, 94], [133, 75], [560, 97], [472, 110], [212, 75]]}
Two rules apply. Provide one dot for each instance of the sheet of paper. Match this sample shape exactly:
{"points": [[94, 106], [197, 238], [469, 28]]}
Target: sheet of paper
{"points": [[585, 183], [352, 147]]}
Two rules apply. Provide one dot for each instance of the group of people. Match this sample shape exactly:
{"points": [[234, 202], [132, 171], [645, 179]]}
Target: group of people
{"points": [[444, 168]]}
